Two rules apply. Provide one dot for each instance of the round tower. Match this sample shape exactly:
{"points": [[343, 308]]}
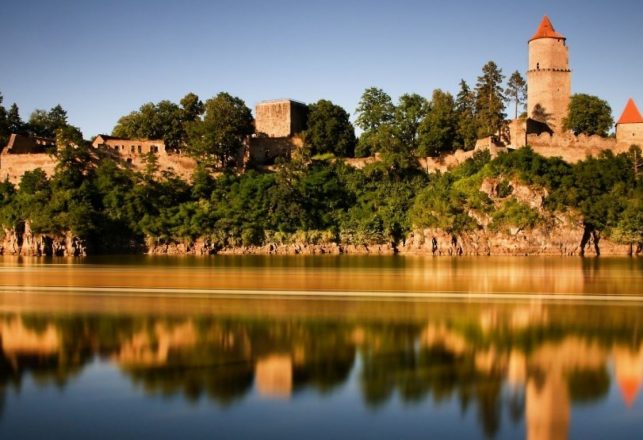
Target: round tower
{"points": [[549, 79]]}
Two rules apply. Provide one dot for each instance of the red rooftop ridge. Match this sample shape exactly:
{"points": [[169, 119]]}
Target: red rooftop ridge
{"points": [[546, 30], [631, 114]]}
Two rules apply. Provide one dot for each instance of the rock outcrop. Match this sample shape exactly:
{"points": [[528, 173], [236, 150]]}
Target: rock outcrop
{"points": [[23, 241]]}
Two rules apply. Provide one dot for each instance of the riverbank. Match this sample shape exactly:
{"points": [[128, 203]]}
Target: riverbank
{"points": [[564, 240], [429, 242]]}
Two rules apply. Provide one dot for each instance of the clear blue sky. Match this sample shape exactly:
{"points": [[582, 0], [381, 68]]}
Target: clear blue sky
{"points": [[103, 59]]}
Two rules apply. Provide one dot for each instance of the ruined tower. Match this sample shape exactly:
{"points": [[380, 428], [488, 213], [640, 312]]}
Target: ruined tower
{"points": [[549, 79]]}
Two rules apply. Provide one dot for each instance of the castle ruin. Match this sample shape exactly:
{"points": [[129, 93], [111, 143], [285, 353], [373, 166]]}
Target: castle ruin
{"points": [[279, 123], [277, 126], [26, 153]]}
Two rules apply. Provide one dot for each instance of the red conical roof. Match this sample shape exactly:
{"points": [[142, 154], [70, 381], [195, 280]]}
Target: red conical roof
{"points": [[546, 30], [631, 114], [629, 389]]}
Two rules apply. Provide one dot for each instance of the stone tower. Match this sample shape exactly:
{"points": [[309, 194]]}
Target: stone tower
{"points": [[629, 128], [549, 79]]}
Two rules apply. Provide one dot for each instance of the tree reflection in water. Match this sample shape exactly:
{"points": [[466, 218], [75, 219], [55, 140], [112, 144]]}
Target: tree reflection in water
{"points": [[548, 357]]}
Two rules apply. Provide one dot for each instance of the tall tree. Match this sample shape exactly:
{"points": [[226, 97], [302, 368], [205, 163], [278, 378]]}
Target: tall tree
{"points": [[439, 128], [516, 91], [374, 111], [14, 121], [163, 120], [465, 107], [588, 115], [45, 123], [218, 138], [490, 100], [4, 129], [192, 107], [409, 113], [330, 130]]}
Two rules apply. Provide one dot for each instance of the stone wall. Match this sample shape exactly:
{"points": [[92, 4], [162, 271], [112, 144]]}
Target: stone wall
{"points": [[433, 164], [446, 162], [177, 163], [128, 148], [13, 166], [630, 134], [264, 150], [573, 148]]}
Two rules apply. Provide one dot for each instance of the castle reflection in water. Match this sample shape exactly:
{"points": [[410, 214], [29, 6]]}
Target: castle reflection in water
{"points": [[533, 359]]}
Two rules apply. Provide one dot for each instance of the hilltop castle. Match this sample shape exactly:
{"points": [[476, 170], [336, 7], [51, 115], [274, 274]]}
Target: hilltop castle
{"points": [[549, 89], [278, 124]]}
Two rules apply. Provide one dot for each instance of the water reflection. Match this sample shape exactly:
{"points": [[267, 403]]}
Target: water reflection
{"points": [[548, 275], [530, 363]]}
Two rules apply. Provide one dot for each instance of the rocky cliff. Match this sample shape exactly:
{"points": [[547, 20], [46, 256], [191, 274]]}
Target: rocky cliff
{"points": [[24, 242], [564, 239]]}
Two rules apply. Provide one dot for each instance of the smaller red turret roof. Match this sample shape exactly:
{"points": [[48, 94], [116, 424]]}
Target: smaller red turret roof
{"points": [[546, 30], [631, 114]]}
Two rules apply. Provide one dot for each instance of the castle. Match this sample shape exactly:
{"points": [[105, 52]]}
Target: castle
{"points": [[278, 124], [549, 80]]}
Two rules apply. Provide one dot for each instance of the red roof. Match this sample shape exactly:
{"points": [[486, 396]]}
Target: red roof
{"points": [[629, 388], [546, 30], [631, 114]]}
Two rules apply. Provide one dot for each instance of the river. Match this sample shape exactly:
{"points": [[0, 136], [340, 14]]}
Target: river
{"points": [[321, 347]]}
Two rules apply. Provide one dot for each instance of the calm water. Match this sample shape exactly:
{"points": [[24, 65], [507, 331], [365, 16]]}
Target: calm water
{"points": [[273, 347]]}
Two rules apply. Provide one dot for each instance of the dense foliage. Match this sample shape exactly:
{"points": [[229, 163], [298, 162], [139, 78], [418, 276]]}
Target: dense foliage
{"points": [[605, 191], [41, 123], [164, 120], [315, 201], [216, 139]]}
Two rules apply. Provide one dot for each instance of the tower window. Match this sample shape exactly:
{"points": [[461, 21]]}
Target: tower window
{"points": [[537, 66]]}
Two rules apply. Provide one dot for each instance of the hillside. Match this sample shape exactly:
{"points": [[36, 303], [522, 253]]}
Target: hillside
{"points": [[519, 203]]}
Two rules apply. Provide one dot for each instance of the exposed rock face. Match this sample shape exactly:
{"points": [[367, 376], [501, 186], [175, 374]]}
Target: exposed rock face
{"points": [[563, 240], [23, 241], [201, 246], [204, 247], [556, 234]]}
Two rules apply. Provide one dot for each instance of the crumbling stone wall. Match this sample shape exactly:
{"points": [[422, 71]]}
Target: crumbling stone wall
{"points": [[280, 118], [13, 166], [265, 150]]}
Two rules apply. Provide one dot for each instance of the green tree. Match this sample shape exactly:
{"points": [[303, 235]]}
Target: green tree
{"points": [[409, 113], [589, 115], [439, 128], [490, 100], [218, 138], [397, 156], [192, 107], [45, 123], [330, 130], [4, 125], [465, 107], [374, 111], [516, 91], [14, 121], [163, 120]]}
